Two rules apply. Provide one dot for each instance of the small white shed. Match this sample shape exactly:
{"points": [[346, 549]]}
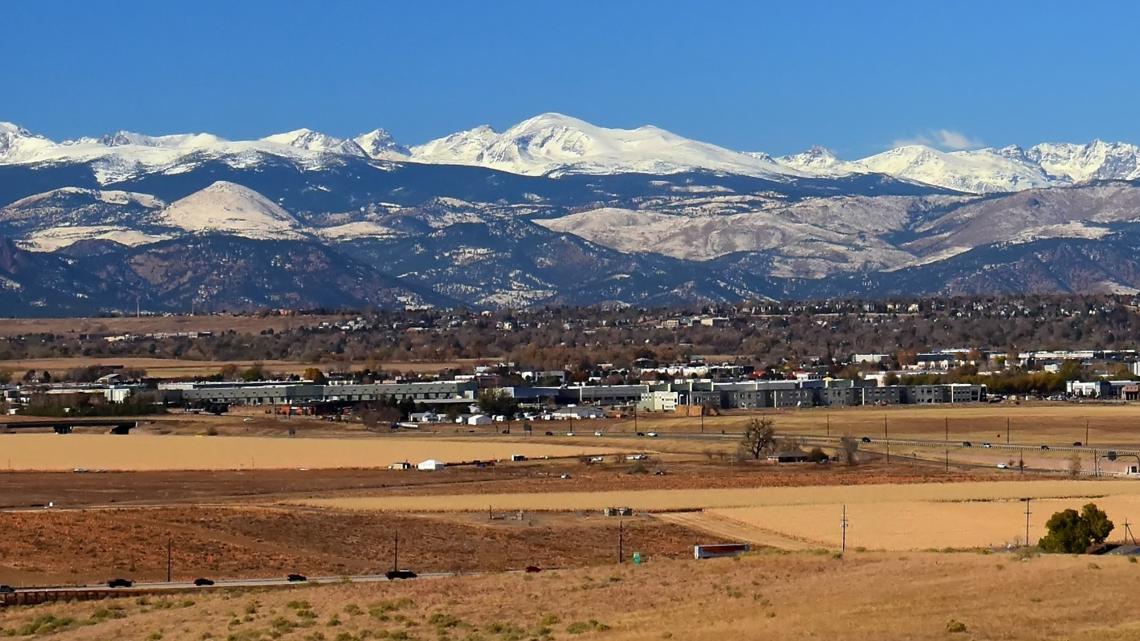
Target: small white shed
{"points": [[431, 464]]}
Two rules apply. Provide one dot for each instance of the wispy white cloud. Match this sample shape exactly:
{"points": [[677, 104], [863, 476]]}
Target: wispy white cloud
{"points": [[942, 139]]}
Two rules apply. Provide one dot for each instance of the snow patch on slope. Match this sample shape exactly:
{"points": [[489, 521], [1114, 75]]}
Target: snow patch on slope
{"points": [[60, 237], [352, 231]]}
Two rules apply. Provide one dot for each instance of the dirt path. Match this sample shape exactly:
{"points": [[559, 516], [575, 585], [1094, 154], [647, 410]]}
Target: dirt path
{"points": [[734, 530]]}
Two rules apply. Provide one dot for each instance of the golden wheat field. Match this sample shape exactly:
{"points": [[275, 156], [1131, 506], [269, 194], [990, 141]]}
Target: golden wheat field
{"points": [[137, 452], [669, 500]]}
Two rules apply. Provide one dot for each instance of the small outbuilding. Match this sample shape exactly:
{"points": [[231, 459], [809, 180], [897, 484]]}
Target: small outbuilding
{"points": [[431, 465], [788, 457]]}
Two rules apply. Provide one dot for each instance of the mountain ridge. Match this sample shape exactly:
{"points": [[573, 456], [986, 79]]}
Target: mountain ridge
{"points": [[554, 144]]}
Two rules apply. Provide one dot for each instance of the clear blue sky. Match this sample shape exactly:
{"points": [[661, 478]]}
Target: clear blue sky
{"points": [[778, 77]]}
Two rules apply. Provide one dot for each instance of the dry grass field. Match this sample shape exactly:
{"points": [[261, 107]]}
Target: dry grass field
{"points": [[918, 525], [150, 324], [692, 499], [1032, 423], [245, 541], [765, 596], [175, 452], [173, 368]]}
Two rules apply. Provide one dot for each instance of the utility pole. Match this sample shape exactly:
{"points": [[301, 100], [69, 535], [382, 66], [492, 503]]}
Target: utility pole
{"points": [[1007, 430], [843, 527], [169, 559], [829, 426], [702, 418], [635, 417], [396, 553], [886, 439], [1086, 431], [1027, 513], [947, 459], [947, 429], [621, 540]]}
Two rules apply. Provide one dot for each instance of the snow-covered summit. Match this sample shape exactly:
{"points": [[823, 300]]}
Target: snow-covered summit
{"points": [[978, 171], [380, 144], [1097, 160], [818, 161], [15, 140], [555, 143], [310, 140]]}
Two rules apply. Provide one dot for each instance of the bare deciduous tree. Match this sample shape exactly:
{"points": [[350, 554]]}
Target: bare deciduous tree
{"points": [[759, 438], [1075, 465], [849, 450]]}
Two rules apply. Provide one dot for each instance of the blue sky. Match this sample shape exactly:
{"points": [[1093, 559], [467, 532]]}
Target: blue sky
{"points": [[779, 77]]}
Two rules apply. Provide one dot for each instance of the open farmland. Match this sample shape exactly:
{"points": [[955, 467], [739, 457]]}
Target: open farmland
{"points": [[1030, 423], [174, 452], [245, 324], [249, 542], [759, 597], [690, 499], [914, 525], [176, 368]]}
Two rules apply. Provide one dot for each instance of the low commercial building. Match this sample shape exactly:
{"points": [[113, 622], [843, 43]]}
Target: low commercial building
{"points": [[579, 412], [294, 393], [658, 402]]}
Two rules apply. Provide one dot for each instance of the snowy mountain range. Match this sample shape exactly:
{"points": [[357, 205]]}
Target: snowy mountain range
{"points": [[553, 145], [552, 210]]}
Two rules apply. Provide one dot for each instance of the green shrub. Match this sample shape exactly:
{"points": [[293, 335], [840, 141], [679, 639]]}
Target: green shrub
{"points": [[581, 627]]}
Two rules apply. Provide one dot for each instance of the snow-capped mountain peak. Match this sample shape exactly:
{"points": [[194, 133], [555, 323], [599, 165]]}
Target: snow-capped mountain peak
{"points": [[380, 144], [15, 139], [817, 160], [554, 143], [316, 141], [1097, 160], [977, 171]]}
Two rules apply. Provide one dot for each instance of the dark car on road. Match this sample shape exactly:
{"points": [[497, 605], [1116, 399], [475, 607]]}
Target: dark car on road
{"points": [[532, 569], [120, 583], [1076, 444], [203, 582], [1044, 447], [866, 439], [7, 589], [400, 574], [967, 444], [297, 578]]}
